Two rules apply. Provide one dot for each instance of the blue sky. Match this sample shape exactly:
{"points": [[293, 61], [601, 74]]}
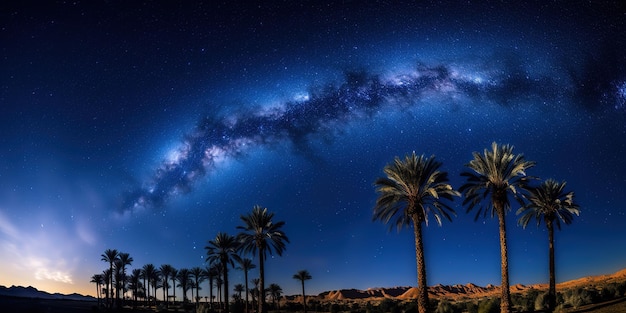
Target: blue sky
{"points": [[149, 128]]}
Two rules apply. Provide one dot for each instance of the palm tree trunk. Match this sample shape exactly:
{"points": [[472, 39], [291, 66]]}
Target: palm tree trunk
{"points": [[261, 283], [552, 288], [226, 306], [505, 301], [174, 289], [245, 276], [303, 297], [422, 287]]}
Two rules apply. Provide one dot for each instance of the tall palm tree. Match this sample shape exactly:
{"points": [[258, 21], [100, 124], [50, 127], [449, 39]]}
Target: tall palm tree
{"points": [[149, 272], [260, 234], [97, 279], [549, 202], [496, 174], [173, 275], [110, 255], [183, 281], [125, 259], [119, 281], [166, 271], [211, 272], [246, 265], [223, 249], [302, 275], [135, 278], [239, 289], [413, 189], [275, 292], [198, 276]]}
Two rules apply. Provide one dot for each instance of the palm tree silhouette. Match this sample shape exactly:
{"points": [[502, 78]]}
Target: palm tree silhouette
{"points": [[149, 273], [239, 288], [183, 281], [260, 234], [173, 275], [302, 275], [124, 259], [110, 255], [166, 271], [413, 189], [198, 276], [97, 279], [211, 272], [549, 202], [275, 292], [223, 249], [246, 265], [135, 284], [496, 174]]}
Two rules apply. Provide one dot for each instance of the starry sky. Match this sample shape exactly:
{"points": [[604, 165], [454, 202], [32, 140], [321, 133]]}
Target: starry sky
{"points": [[150, 127]]}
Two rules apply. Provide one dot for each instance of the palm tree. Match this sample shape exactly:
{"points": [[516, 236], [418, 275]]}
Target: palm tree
{"points": [[125, 259], [223, 249], [166, 271], [549, 202], [275, 292], [110, 255], [149, 273], [413, 189], [210, 273], [246, 265], [254, 293], [97, 279], [302, 275], [135, 277], [198, 276], [119, 280], [239, 288], [174, 275], [496, 174], [183, 281], [260, 234]]}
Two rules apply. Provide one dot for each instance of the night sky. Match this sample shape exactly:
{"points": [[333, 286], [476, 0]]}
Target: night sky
{"points": [[151, 127]]}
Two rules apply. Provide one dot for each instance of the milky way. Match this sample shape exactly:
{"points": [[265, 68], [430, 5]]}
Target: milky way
{"points": [[361, 95]]}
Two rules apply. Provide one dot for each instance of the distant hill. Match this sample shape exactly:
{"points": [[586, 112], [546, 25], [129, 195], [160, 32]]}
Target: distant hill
{"points": [[468, 290], [32, 292]]}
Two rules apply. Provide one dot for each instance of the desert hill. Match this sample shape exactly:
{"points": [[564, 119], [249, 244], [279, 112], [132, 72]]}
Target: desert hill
{"points": [[468, 290]]}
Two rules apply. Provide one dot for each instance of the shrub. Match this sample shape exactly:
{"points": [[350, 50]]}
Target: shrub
{"points": [[541, 302], [489, 306], [444, 306]]}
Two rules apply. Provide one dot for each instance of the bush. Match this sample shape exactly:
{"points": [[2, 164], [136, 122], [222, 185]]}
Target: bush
{"points": [[444, 306], [542, 301], [489, 306]]}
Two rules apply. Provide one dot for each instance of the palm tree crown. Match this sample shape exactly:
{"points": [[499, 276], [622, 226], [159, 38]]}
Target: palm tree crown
{"points": [[550, 203], [496, 173], [413, 187]]}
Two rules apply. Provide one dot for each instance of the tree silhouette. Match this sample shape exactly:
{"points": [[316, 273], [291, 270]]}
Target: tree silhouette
{"points": [[110, 255], [124, 259], [166, 271], [302, 275], [414, 189], [198, 276], [149, 273], [246, 265], [496, 174], [97, 279], [549, 202], [260, 234], [183, 281], [275, 292], [223, 249]]}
